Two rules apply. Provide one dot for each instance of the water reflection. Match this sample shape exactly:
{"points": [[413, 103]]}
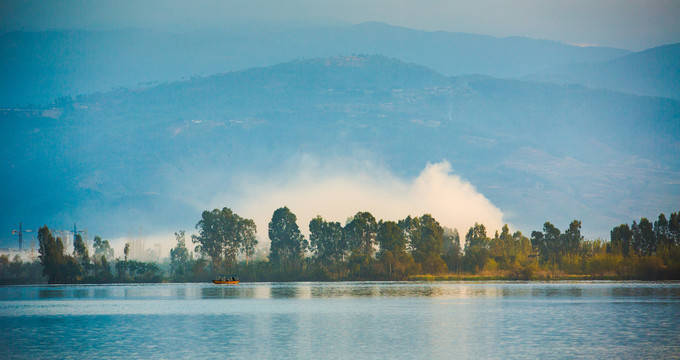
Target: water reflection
{"points": [[102, 292], [81, 293], [279, 291], [343, 319], [262, 292], [180, 292], [314, 290], [51, 293], [222, 292]]}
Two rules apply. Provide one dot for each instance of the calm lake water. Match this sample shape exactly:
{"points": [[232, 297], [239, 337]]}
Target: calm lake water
{"points": [[342, 320]]}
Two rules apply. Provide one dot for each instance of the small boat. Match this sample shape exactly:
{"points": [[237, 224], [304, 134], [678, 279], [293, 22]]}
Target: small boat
{"points": [[226, 279]]}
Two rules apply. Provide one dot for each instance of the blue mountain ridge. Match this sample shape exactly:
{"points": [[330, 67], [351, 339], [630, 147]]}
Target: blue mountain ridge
{"points": [[36, 67], [654, 72], [144, 157]]}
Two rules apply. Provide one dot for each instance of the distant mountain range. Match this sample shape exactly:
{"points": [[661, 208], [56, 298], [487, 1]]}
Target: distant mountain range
{"points": [[148, 155], [654, 72], [36, 68]]}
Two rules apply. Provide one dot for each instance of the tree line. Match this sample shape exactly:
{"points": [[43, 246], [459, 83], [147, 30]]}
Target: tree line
{"points": [[364, 248], [55, 265], [368, 249]]}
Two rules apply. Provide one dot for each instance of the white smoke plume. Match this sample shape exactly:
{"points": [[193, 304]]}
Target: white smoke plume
{"points": [[338, 190]]}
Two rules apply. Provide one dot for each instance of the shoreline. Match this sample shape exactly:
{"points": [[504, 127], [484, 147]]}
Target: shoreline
{"points": [[416, 278], [477, 278]]}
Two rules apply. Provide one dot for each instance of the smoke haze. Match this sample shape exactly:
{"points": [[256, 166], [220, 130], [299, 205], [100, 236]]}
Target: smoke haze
{"points": [[338, 190]]}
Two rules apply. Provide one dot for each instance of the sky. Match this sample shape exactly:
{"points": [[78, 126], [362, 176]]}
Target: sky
{"points": [[628, 24]]}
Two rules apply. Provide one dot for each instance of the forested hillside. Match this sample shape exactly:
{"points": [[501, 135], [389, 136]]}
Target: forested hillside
{"points": [[154, 156]]}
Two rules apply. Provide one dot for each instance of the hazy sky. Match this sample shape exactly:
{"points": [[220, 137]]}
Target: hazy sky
{"points": [[630, 24]]}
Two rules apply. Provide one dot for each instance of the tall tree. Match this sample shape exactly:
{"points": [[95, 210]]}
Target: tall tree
{"points": [[509, 249], [80, 249], [549, 244], [552, 237], [81, 254], [637, 238], [572, 238], [221, 235], [247, 233], [102, 253], [538, 243], [452, 251], [106, 269], [477, 248], [126, 252], [288, 245], [48, 254], [391, 237], [674, 228], [428, 245], [661, 232], [621, 238], [393, 255], [51, 254], [411, 228], [524, 245], [326, 241], [361, 231], [647, 239], [102, 247], [179, 257]]}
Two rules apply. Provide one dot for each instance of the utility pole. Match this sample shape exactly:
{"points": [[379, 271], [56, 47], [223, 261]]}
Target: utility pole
{"points": [[20, 233]]}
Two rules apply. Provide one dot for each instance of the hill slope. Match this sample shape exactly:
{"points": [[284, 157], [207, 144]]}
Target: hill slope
{"points": [[153, 157]]}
